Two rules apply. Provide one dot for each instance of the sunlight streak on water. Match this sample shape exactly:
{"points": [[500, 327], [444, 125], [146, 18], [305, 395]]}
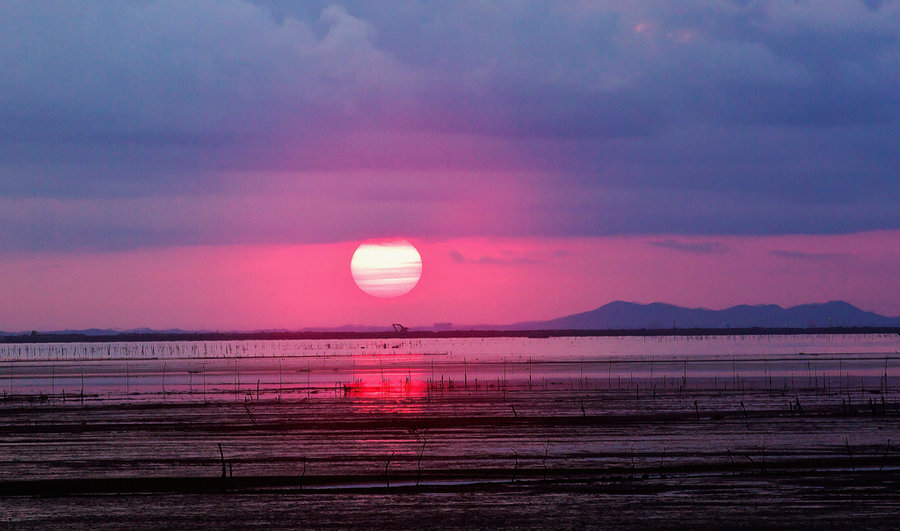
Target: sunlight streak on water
{"points": [[399, 368]]}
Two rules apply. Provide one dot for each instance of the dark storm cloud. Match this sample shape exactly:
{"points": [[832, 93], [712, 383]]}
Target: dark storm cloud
{"points": [[600, 117]]}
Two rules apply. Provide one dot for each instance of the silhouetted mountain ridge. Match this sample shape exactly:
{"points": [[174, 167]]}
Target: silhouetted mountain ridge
{"points": [[621, 315], [617, 315]]}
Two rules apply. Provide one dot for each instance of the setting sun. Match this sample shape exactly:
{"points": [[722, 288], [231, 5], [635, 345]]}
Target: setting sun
{"points": [[386, 269]]}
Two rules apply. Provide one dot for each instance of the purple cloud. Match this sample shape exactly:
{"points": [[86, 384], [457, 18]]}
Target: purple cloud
{"points": [[690, 247], [133, 124]]}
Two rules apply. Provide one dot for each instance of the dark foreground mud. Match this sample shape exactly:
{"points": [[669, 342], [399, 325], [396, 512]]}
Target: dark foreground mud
{"points": [[859, 500]]}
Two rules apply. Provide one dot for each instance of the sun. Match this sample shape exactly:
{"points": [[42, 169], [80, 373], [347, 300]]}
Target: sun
{"points": [[386, 269]]}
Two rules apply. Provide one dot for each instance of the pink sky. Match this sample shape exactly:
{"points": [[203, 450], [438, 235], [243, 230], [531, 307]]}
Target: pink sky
{"points": [[464, 281], [209, 165]]}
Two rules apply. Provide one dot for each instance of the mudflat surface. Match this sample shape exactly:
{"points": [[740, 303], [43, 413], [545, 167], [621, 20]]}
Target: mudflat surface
{"points": [[539, 458], [439, 442]]}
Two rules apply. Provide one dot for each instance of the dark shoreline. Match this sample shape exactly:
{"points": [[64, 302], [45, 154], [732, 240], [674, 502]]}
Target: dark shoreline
{"points": [[428, 334]]}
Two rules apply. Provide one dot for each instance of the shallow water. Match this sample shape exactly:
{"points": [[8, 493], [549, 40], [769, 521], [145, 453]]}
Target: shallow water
{"points": [[475, 349], [204, 370]]}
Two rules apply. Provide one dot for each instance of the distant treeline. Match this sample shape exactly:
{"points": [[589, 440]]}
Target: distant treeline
{"points": [[426, 334]]}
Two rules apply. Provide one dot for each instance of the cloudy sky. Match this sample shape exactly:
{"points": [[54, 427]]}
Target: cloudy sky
{"points": [[215, 164]]}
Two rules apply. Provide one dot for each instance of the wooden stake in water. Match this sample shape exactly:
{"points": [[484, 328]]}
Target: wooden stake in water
{"points": [[581, 375], [529, 373], [224, 470], [387, 478]]}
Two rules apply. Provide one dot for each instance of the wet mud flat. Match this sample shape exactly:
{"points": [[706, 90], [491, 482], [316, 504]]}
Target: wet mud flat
{"points": [[775, 431], [590, 448]]}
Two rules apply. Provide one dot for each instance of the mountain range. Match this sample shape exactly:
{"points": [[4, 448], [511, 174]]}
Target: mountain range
{"points": [[620, 315]]}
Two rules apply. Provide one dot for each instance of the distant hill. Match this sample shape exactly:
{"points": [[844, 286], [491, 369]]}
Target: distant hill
{"points": [[616, 315], [621, 315]]}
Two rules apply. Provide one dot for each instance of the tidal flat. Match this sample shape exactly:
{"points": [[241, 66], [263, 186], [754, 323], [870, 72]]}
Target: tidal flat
{"points": [[581, 432]]}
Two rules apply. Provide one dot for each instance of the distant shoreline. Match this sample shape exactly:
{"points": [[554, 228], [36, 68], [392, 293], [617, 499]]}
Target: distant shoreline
{"points": [[429, 334]]}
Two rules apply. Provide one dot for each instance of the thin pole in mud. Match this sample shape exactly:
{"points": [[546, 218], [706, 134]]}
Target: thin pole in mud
{"points": [[237, 375], [164, 379], [224, 469], [307, 379], [731, 456], [82, 382], [53, 380], [632, 460], [126, 380], [465, 374], [515, 464], [303, 473], [764, 455], [581, 374], [544, 460], [529, 373], [661, 458], [421, 453], [387, 478], [849, 454]]}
